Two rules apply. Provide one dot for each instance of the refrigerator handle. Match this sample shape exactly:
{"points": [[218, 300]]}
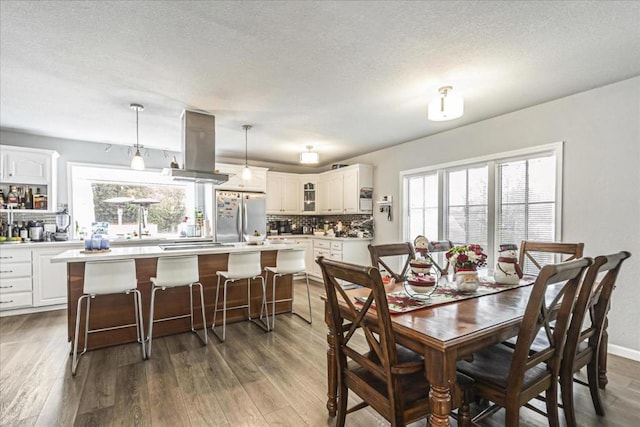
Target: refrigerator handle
{"points": [[245, 222], [241, 210]]}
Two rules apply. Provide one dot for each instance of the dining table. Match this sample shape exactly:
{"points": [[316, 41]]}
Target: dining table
{"points": [[444, 334]]}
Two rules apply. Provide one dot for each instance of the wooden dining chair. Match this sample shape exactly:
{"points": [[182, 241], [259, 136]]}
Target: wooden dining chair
{"points": [[378, 252], [388, 377], [512, 377], [534, 254], [584, 343]]}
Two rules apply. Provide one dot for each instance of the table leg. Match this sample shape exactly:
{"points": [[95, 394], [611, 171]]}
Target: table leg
{"points": [[441, 374], [602, 356], [332, 374]]}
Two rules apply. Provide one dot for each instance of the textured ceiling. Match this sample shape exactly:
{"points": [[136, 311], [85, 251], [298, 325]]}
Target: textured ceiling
{"points": [[346, 77]]}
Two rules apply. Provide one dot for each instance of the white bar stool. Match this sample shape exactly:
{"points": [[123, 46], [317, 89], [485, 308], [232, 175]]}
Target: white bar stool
{"points": [[105, 278], [174, 272], [288, 261], [241, 266]]}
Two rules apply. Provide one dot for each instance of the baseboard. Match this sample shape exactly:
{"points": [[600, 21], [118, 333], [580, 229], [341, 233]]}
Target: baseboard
{"points": [[625, 352], [30, 310]]}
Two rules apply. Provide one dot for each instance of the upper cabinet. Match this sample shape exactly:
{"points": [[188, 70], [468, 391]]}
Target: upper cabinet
{"points": [[257, 183], [282, 193], [308, 188], [30, 167], [347, 190]]}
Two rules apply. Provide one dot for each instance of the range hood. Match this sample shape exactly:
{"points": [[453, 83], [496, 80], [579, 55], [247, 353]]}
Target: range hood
{"points": [[198, 150]]}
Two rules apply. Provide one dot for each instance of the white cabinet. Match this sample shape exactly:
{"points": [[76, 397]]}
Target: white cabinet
{"points": [[257, 183], [49, 280], [321, 248], [30, 167], [282, 193], [347, 190], [308, 188], [309, 259], [15, 279]]}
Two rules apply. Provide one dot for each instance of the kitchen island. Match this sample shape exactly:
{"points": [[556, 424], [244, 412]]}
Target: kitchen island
{"points": [[113, 310]]}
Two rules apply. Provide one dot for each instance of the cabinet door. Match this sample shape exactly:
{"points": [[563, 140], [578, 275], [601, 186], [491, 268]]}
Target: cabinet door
{"points": [[26, 167], [289, 195], [351, 194], [336, 191], [274, 194], [49, 280], [309, 191], [323, 194]]}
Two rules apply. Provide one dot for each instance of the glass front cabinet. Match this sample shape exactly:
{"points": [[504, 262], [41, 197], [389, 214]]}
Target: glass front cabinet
{"points": [[309, 185]]}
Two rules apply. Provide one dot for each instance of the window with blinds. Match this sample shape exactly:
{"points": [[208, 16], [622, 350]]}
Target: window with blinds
{"points": [[504, 198]]}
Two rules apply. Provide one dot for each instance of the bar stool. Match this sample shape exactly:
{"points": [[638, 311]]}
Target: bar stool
{"points": [[107, 278], [288, 261], [241, 266], [174, 272]]}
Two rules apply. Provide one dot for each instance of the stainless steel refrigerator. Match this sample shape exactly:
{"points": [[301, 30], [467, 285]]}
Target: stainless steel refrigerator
{"points": [[237, 214]]}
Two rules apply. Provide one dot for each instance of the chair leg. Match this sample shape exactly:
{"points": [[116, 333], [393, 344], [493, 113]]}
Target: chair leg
{"points": [[512, 416], [215, 310], [343, 395], [273, 302], [594, 384], [566, 390], [204, 319], [137, 306], [259, 322], [551, 399], [75, 359]]}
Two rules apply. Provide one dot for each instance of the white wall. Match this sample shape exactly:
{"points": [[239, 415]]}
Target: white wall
{"points": [[601, 130]]}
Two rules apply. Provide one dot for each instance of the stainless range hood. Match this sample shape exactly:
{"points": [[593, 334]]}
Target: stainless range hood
{"points": [[198, 150]]}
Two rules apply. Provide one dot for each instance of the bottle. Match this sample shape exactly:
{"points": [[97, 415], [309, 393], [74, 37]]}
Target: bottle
{"points": [[37, 200], [28, 198], [24, 231], [16, 230], [13, 198], [1, 199], [174, 163]]}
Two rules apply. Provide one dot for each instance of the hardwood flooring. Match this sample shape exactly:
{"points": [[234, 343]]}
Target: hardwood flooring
{"points": [[253, 379]]}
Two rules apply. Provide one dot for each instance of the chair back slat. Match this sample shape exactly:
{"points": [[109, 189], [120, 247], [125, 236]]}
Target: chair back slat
{"points": [[535, 254], [378, 252], [436, 247], [566, 278]]}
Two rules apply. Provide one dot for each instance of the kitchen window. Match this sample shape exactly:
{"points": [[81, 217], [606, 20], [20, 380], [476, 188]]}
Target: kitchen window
{"points": [[505, 198], [92, 185]]}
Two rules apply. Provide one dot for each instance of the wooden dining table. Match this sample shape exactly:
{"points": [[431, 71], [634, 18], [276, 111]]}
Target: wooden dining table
{"points": [[445, 334]]}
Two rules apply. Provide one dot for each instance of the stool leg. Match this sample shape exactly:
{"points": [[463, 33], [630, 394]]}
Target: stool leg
{"points": [[137, 302], [264, 300], [151, 314], [86, 325], [309, 320], [74, 361], [215, 310], [224, 311], [204, 319], [273, 302], [249, 299], [191, 305]]}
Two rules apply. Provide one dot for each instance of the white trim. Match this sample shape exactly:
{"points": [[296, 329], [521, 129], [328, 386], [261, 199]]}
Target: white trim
{"points": [[627, 353], [555, 146]]}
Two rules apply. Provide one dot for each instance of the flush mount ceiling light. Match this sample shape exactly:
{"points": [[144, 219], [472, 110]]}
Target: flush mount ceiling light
{"points": [[309, 157], [447, 107], [137, 163], [246, 172]]}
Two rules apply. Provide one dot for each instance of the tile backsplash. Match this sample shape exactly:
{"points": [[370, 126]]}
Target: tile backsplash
{"points": [[300, 221]]}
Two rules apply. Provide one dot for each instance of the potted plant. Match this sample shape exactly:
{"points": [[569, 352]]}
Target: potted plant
{"points": [[466, 259]]}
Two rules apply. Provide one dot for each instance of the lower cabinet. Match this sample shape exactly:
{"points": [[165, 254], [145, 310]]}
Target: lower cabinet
{"points": [[351, 251], [15, 279], [49, 280]]}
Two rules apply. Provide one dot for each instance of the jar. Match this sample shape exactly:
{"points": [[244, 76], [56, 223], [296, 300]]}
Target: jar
{"points": [[96, 241]]}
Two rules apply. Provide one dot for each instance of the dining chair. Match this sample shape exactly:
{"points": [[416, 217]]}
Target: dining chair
{"points": [[388, 377], [436, 247], [378, 252], [512, 377], [584, 342], [535, 254]]}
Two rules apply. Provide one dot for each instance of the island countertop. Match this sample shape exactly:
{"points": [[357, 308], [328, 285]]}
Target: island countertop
{"points": [[129, 252]]}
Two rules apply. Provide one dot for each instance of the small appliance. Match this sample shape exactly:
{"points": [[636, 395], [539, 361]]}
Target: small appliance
{"points": [[63, 219], [36, 231]]}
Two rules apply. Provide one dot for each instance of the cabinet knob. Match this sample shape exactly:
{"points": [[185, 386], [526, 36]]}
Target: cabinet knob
{"points": [[6, 271], [6, 302], [6, 287]]}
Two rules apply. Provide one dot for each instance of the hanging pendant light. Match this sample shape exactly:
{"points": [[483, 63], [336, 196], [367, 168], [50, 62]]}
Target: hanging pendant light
{"points": [[309, 157], [447, 107], [246, 172], [137, 162]]}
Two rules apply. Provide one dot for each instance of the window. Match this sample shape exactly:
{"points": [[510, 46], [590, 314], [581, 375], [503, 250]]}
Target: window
{"points": [[499, 199], [92, 186]]}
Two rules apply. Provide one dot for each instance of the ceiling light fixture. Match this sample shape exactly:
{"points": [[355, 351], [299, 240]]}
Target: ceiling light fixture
{"points": [[309, 157], [137, 163], [246, 172], [447, 107]]}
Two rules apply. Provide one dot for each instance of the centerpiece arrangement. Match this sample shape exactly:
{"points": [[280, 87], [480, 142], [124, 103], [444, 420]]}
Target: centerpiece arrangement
{"points": [[466, 259]]}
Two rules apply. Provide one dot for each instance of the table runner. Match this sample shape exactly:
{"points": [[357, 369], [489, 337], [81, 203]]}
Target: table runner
{"points": [[401, 302]]}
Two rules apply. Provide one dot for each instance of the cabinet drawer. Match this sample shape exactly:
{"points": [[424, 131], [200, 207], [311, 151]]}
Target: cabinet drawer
{"points": [[319, 252], [336, 246], [8, 270], [14, 255], [17, 300], [322, 244], [20, 284], [337, 256]]}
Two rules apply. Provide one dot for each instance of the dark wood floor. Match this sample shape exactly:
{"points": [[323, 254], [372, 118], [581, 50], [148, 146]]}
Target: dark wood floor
{"points": [[253, 379]]}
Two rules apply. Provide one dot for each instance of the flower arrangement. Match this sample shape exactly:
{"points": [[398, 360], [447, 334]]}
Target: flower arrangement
{"points": [[467, 257]]}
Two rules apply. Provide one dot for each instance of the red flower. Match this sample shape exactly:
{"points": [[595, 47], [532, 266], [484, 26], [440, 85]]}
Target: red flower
{"points": [[463, 258], [448, 255]]}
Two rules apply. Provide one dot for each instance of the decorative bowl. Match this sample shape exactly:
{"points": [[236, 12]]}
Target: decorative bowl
{"points": [[420, 267], [422, 284], [254, 239]]}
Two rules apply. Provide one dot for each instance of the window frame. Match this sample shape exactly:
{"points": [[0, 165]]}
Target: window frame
{"points": [[492, 161]]}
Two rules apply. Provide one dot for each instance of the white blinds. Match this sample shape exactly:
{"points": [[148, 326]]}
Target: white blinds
{"points": [[467, 218], [423, 206]]}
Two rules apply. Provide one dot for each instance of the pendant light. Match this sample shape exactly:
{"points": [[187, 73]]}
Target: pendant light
{"points": [[246, 172], [447, 107], [309, 157], [137, 163]]}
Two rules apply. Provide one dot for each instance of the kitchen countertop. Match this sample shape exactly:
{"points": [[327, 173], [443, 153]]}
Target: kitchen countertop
{"points": [[146, 241], [312, 236], [154, 251]]}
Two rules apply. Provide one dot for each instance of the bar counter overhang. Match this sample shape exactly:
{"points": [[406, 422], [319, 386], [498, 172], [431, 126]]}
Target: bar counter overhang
{"points": [[109, 311]]}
